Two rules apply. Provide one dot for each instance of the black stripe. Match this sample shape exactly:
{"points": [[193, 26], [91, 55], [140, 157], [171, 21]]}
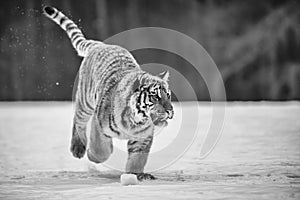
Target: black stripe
{"points": [[142, 146], [75, 37], [144, 129], [131, 64], [75, 33], [82, 111], [87, 45], [83, 100], [131, 142], [88, 103], [144, 101], [55, 15], [110, 126], [106, 135], [124, 123], [138, 106], [70, 25], [87, 91], [114, 121], [73, 28], [62, 20], [78, 41]]}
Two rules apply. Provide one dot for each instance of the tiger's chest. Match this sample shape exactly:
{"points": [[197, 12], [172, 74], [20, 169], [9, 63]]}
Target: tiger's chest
{"points": [[114, 128]]}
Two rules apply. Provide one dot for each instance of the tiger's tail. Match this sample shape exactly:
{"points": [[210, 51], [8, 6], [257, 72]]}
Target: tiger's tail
{"points": [[79, 42]]}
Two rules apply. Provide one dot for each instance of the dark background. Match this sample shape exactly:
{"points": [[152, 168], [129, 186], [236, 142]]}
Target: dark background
{"points": [[255, 44]]}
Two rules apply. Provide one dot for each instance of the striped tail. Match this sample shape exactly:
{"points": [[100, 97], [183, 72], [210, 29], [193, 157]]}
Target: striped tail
{"points": [[79, 42]]}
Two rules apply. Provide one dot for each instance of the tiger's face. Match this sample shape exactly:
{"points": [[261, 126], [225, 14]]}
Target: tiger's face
{"points": [[154, 99]]}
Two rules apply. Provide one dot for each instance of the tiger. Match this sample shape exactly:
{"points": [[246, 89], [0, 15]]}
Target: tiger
{"points": [[121, 100]]}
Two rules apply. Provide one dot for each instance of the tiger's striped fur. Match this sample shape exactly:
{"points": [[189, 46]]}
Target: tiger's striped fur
{"points": [[124, 101]]}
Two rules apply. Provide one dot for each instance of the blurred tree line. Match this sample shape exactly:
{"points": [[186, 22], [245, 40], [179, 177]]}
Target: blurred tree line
{"points": [[255, 44]]}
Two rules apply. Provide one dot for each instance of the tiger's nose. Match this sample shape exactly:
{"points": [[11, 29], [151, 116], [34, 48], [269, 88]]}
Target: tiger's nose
{"points": [[170, 113]]}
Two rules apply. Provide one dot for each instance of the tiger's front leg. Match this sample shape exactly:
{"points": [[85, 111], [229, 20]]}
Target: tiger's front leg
{"points": [[138, 151], [78, 141], [84, 111]]}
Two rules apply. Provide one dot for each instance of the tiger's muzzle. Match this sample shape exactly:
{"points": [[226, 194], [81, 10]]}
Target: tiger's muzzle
{"points": [[170, 114]]}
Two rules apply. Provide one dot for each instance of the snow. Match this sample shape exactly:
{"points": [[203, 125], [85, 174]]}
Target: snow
{"points": [[257, 156], [129, 179]]}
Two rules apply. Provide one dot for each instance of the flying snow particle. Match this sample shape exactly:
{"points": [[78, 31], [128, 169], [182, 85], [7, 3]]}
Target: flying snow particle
{"points": [[57, 83]]}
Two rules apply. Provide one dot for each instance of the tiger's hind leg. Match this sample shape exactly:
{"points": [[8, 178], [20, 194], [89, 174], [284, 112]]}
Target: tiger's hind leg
{"points": [[138, 151], [100, 145]]}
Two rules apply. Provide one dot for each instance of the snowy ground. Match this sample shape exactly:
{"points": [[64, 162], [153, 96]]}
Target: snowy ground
{"points": [[257, 157]]}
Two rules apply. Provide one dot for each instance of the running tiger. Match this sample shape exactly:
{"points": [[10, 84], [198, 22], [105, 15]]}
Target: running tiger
{"points": [[123, 101]]}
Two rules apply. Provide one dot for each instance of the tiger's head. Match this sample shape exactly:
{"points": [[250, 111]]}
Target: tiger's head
{"points": [[153, 98]]}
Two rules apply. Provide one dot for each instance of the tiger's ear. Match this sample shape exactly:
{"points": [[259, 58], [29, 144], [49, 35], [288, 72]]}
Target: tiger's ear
{"points": [[136, 85], [164, 75]]}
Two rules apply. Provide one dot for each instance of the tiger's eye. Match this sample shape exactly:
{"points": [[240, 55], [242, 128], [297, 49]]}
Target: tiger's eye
{"points": [[154, 97], [169, 95]]}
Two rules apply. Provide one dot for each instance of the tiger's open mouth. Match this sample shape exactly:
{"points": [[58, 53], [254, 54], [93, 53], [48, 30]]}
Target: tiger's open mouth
{"points": [[160, 119], [161, 123]]}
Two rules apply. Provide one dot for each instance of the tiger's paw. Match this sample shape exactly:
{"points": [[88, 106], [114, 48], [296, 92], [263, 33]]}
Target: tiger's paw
{"points": [[144, 176], [78, 148]]}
